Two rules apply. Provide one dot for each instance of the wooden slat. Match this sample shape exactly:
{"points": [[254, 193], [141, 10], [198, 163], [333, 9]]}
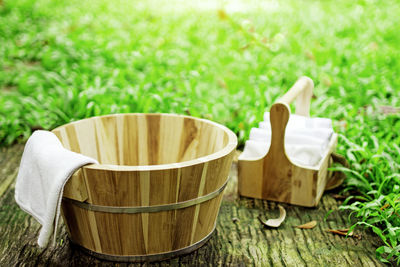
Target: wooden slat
{"points": [[145, 201], [75, 188]]}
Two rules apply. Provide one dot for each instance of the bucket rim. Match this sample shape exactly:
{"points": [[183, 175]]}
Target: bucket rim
{"points": [[226, 150]]}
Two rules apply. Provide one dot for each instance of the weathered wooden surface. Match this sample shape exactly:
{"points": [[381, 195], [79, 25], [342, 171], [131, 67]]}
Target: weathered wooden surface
{"points": [[240, 239]]}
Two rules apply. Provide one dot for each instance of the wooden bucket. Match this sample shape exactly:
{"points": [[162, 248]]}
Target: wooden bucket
{"points": [[157, 190]]}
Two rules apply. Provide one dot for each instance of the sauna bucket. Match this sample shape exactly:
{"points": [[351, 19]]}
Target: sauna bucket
{"points": [[157, 190]]}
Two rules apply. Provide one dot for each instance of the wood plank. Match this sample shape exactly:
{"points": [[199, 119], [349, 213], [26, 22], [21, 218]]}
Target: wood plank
{"points": [[239, 240]]}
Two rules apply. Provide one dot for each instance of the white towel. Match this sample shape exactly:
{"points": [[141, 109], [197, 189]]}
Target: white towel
{"points": [[45, 168], [320, 133], [254, 150], [306, 139], [291, 138], [304, 155], [298, 121]]}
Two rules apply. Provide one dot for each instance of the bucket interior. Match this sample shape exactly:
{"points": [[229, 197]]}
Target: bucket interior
{"points": [[143, 139]]}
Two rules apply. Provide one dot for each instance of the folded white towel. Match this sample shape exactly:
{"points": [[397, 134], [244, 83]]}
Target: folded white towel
{"points": [[298, 121], [45, 168], [304, 155], [291, 138], [323, 134], [254, 150], [306, 139]]}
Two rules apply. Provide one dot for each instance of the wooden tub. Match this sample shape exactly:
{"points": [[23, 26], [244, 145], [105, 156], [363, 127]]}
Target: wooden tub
{"points": [[157, 190]]}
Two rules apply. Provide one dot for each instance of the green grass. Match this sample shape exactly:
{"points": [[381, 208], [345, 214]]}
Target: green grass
{"points": [[371, 143], [226, 61]]}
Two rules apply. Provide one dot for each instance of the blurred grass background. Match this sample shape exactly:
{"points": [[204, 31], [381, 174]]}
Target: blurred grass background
{"points": [[226, 61]]}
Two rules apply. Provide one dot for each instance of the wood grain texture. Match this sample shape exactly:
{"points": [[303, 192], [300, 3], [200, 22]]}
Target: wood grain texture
{"points": [[274, 176], [239, 240], [76, 188], [145, 160]]}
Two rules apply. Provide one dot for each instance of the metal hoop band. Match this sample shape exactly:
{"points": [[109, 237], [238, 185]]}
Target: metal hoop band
{"points": [[140, 209], [149, 257]]}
